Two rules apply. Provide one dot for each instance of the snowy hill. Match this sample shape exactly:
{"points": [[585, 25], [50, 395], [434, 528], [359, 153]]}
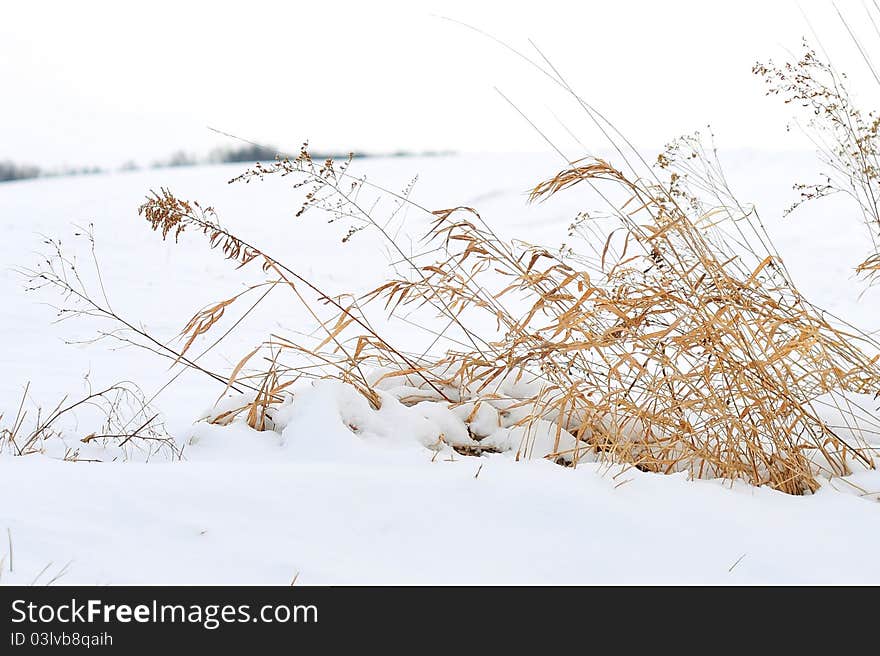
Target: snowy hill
{"points": [[322, 503]]}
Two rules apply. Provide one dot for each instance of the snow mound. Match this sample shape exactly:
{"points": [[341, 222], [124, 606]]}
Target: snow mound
{"points": [[330, 420]]}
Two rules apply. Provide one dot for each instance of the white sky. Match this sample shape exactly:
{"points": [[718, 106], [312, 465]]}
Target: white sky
{"points": [[92, 82]]}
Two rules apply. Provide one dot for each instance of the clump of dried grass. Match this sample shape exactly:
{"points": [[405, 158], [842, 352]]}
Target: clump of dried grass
{"points": [[125, 426], [673, 341]]}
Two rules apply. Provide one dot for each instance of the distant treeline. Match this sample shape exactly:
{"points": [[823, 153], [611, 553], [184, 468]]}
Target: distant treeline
{"points": [[247, 153], [10, 171], [255, 153]]}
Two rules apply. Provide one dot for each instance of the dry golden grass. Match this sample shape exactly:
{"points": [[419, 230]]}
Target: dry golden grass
{"points": [[681, 344]]}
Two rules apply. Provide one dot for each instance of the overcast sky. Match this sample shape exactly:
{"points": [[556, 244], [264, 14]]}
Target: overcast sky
{"points": [[91, 82]]}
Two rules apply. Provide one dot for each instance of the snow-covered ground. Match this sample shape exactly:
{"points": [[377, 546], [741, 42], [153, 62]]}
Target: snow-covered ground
{"points": [[326, 505]]}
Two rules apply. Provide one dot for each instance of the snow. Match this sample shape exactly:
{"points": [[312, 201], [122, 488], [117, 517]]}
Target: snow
{"points": [[415, 521], [342, 492]]}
